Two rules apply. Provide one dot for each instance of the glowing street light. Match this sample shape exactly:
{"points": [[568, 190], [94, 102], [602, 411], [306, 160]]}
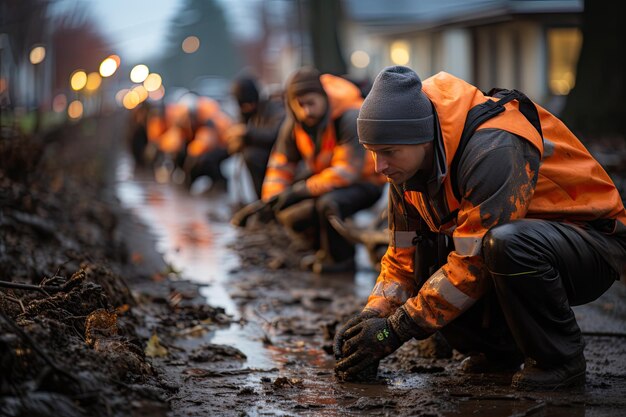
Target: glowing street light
{"points": [[109, 66], [360, 59], [75, 110], [78, 80], [93, 81], [37, 55], [191, 44], [152, 82], [131, 100], [157, 94], [139, 73], [400, 52]]}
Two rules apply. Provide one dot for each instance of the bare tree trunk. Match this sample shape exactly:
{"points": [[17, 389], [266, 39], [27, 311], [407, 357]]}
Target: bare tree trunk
{"points": [[325, 20], [595, 106]]}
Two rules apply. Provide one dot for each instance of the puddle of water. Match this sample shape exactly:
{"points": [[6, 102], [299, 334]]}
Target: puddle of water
{"points": [[193, 245]]}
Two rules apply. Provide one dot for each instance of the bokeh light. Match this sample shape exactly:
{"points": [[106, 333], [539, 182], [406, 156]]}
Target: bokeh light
{"points": [[75, 109], [360, 59], [158, 94], [93, 81], [399, 52], [139, 73], [37, 55], [141, 92], [108, 66], [78, 80], [59, 103], [119, 96], [152, 82], [191, 44], [131, 100]]}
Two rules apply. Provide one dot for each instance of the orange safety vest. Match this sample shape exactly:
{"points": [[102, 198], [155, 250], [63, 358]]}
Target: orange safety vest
{"points": [[571, 187], [333, 165]]}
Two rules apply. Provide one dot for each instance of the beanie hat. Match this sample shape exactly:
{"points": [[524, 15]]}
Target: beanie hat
{"points": [[245, 90], [396, 111], [304, 80]]}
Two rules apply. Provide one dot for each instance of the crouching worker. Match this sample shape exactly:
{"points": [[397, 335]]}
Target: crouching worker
{"points": [[208, 148], [254, 136], [536, 223], [339, 176]]}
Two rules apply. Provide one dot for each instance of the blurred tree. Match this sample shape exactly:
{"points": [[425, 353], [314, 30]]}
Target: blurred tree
{"points": [[595, 106], [325, 19], [77, 44], [216, 55], [24, 23]]}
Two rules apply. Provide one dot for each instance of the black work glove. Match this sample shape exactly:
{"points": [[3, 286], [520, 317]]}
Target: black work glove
{"points": [[340, 333], [292, 195], [371, 340]]}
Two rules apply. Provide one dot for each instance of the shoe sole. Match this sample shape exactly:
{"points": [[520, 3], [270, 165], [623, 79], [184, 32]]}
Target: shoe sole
{"points": [[577, 380]]}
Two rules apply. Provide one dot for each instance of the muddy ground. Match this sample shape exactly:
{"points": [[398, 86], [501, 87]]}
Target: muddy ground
{"points": [[109, 327]]}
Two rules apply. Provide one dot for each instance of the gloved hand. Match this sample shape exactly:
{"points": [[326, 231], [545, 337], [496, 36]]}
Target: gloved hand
{"points": [[340, 333], [292, 195], [372, 339], [365, 344]]}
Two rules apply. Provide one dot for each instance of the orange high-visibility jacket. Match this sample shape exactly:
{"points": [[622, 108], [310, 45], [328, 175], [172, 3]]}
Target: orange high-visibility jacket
{"points": [[211, 126], [335, 163], [571, 186]]}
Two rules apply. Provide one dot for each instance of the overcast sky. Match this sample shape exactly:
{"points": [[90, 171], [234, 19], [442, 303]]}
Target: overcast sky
{"points": [[137, 28]]}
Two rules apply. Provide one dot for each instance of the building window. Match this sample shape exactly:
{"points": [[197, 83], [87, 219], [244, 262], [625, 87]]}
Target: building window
{"points": [[563, 49]]}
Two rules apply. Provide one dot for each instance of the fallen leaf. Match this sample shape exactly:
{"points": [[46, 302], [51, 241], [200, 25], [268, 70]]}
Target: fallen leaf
{"points": [[154, 348]]}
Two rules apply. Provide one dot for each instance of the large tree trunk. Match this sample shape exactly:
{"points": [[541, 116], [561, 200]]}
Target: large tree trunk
{"points": [[325, 19], [596, 105]]}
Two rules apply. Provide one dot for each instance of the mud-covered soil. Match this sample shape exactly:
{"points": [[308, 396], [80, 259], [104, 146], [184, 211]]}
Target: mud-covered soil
{"points": [[106, 327]]}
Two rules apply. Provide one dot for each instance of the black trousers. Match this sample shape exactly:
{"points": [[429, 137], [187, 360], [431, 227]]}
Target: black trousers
{"points": [[206, 164], [309, 218], [256, 161], [539, 269]]}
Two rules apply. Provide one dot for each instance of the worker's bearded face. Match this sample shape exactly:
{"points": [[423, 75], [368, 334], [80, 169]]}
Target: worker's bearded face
{"points": [[309, 108]]}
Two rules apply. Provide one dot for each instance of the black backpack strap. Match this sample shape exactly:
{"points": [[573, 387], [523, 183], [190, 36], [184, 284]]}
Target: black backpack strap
{"points": [[485, 111]]}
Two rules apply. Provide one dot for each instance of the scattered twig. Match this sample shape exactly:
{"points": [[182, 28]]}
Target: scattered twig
{"points": [[22, 286], [14, 300]]}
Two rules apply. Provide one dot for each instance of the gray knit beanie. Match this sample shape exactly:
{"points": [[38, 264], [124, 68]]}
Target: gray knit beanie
{"points": [[396, 111]]}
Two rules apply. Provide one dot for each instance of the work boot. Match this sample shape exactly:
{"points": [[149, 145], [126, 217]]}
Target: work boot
{"points": [[536, 378], [478, 363]]}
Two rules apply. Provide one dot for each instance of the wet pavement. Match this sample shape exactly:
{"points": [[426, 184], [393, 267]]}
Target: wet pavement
{"points": [[282, 322]]}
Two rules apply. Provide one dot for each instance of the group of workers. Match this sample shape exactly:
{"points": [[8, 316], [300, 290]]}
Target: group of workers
{"points": [[500, 220], [191, 136]]}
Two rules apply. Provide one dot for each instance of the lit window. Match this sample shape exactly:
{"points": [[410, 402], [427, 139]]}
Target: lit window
{"points": [[563, 48]]}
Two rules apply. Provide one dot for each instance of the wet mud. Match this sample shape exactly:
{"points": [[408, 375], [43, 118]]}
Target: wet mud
{"points": [[155, 305]]}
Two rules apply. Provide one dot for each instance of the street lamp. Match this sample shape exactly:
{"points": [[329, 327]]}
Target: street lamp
{"points": [[152, 82], [191, 44], [37, 55], [109, 66], [139, 73], [78, 80]]}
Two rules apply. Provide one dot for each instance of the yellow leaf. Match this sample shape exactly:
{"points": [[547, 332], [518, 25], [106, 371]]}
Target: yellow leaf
{"points": [[154, 348]]}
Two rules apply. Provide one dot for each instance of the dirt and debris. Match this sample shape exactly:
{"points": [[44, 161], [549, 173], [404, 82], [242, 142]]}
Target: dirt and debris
{"points": [[94, 322]]}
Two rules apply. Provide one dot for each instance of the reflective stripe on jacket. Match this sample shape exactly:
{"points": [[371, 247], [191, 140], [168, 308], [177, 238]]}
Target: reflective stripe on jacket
{"points": [[569, 186], [337, 162]]}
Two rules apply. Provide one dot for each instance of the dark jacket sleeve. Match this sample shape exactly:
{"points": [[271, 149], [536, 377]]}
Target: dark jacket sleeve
{"points": [[263, 128]]}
